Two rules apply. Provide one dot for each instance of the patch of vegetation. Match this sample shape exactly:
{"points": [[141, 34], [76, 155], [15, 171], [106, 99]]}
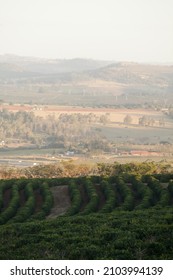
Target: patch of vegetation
{"points": [[68, 131], [134, 221], [122, 235]]}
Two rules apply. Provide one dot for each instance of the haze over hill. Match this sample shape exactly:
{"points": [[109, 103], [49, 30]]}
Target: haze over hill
{"points": [[83, 81], [48, 66]]}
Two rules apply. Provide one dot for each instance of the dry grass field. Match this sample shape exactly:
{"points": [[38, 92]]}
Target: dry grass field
{"points": [[115, 117]]}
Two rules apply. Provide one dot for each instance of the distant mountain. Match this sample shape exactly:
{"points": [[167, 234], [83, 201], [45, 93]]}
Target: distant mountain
{"points": [[135, 73], [14, 71], [51, 66], [84, 81], [120, 72]]}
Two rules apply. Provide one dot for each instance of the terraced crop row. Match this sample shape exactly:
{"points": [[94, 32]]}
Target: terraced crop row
{"points": [[26, 200], [136, 193]]}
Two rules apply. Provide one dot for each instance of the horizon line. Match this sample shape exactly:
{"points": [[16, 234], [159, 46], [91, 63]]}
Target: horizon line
{"points": [[88, 58]]}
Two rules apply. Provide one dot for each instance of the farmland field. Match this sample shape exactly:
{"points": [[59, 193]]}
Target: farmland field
{"points": [[106, 123], [120, 217], [73, 134], [146, 135], [115, 114]]}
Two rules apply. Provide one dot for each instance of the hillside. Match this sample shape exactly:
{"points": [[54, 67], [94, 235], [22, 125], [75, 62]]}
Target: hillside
{"points": [[120, 217], [84, 82], [49, 66], [129, 73]]}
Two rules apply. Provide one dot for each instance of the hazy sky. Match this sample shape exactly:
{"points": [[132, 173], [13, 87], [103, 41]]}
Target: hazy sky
{"points": [[128, 30]]}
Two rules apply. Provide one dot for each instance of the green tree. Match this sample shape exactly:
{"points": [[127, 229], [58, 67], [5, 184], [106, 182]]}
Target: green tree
{"points": [[128, 119]]}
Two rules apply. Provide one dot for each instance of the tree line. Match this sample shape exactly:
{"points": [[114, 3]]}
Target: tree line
{"points": [[70, 131]]}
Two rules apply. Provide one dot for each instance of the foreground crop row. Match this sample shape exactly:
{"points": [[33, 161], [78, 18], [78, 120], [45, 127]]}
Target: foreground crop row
{"points": [[122, 235], [27, 200]]}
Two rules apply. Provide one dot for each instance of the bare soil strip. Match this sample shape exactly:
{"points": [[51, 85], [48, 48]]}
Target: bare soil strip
{"points": [[61, 199]]}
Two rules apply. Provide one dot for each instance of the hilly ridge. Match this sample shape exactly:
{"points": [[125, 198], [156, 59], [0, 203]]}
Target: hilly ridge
{"points": [[84, 81], [50, 66]]}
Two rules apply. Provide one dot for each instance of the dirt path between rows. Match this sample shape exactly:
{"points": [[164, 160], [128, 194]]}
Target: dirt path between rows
{"points": [[61, 199]]}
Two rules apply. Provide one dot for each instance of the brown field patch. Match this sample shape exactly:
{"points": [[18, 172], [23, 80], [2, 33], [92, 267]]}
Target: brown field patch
{"points": [[115, 115], [61, 201]]}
